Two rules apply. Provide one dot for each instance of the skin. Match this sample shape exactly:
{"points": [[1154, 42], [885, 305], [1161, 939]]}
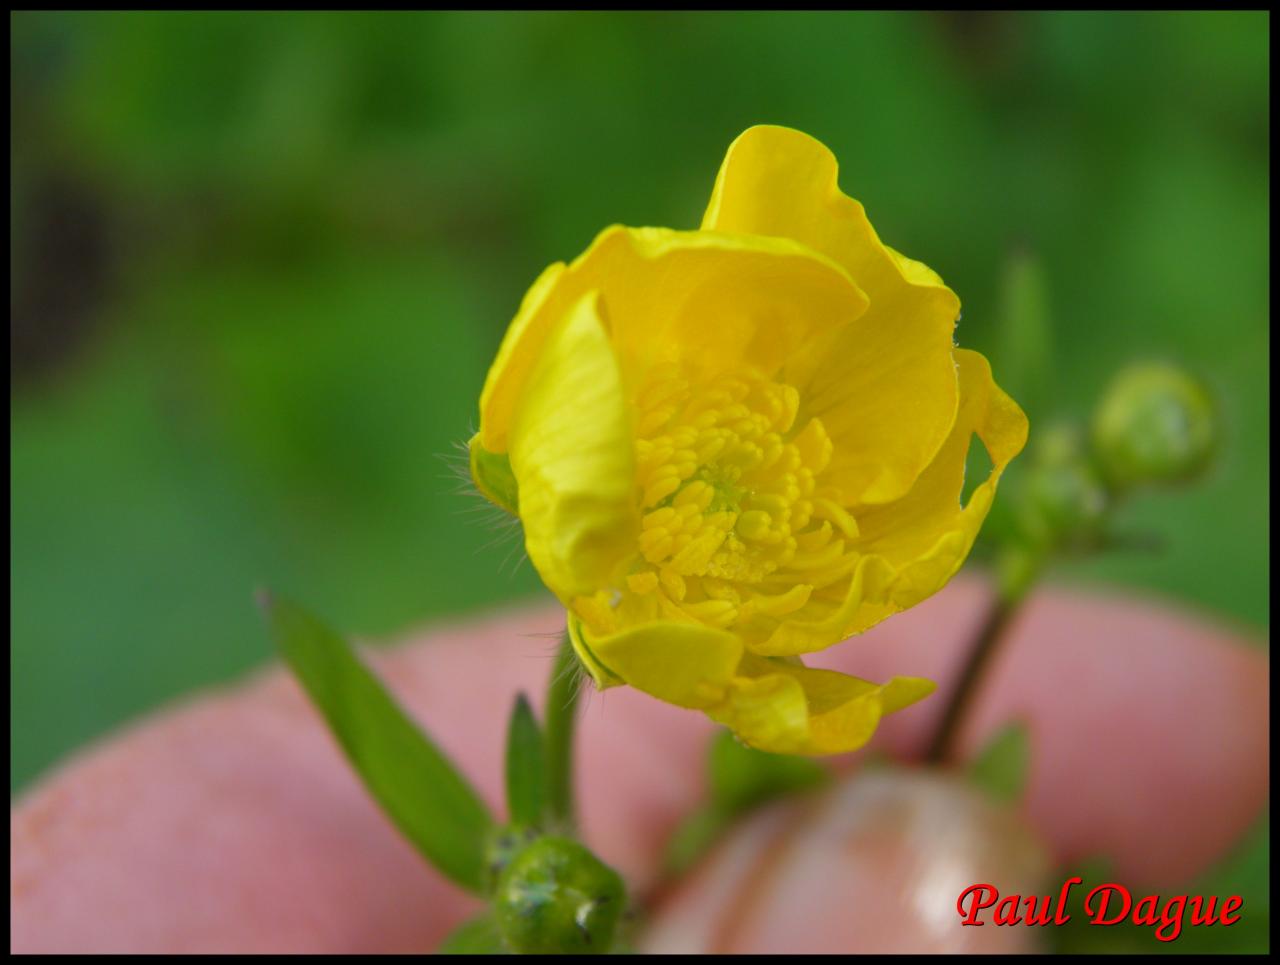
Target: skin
{"points": [[230, 822]]}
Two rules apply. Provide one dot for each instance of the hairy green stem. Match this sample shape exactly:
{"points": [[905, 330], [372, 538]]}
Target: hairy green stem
{"points": [[562, 706]]}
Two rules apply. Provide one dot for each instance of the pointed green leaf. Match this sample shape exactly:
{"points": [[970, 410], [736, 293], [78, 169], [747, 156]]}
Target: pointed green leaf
{"points": [[526, 766], [479, 936], [743, 778], [410, 778], [692, 838], [1004, 763]]}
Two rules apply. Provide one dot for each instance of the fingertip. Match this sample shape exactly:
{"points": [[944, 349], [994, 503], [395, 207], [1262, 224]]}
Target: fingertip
{"points": [[873, 865], [1149, 723], [1149, 728], [232, 822]]}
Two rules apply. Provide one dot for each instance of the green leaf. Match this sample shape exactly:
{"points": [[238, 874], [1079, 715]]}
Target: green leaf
{"points": [[479, 936], [692, 838], [1002, 766], [526, 766], [743, 777], [410, 778]]}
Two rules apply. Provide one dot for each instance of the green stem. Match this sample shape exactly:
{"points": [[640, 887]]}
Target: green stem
{"points": [[562, 705], [1017, 574]]}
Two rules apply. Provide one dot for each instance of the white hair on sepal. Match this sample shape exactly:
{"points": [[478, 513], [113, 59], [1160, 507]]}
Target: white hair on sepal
{"points": [[503, 526]]}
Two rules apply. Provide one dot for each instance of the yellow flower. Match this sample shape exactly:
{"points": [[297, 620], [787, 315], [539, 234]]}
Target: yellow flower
{"points": [[736, 445]]}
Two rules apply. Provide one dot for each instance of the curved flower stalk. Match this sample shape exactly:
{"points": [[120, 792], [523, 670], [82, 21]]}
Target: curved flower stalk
{"points": [[733, 446]]}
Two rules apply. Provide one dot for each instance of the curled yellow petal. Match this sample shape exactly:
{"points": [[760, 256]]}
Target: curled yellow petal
{"points": [[787, 708], [927, 534], [911, 547], [571, 454], [719, 302], [520, 348], [884, 387], [682, 663]]}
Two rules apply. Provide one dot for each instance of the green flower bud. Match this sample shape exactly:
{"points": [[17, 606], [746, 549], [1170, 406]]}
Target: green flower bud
{"points": [[555, 896], [504, 844], [1155, 424], [1069, 500]]}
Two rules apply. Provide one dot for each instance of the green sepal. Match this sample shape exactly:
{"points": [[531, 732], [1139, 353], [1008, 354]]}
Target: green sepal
{"points": [[479, 936], [504, 844], [493, 476]]}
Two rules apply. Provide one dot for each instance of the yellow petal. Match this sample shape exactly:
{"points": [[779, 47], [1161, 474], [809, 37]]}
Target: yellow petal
{"points": [[914, 545], [516, 355], [719, 302], [827, 620], [787, 708], [571, 455], [915, 272], [884, 387], [768, 713], [927, 534], [715, 302], [686, 664]]}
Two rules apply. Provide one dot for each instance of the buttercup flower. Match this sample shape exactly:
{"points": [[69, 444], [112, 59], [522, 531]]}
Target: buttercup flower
{"points": [[733, 446]]}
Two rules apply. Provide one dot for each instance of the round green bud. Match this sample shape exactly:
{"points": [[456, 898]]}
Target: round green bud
{"points": [[1154, 424], [1069, 499], [504, 844], [555, 896]]}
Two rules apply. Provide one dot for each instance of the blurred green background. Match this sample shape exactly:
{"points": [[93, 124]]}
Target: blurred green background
{"points": [[260, 264]]}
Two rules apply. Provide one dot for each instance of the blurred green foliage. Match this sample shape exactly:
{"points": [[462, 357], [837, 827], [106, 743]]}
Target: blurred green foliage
{"points": [[260, 263]]}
